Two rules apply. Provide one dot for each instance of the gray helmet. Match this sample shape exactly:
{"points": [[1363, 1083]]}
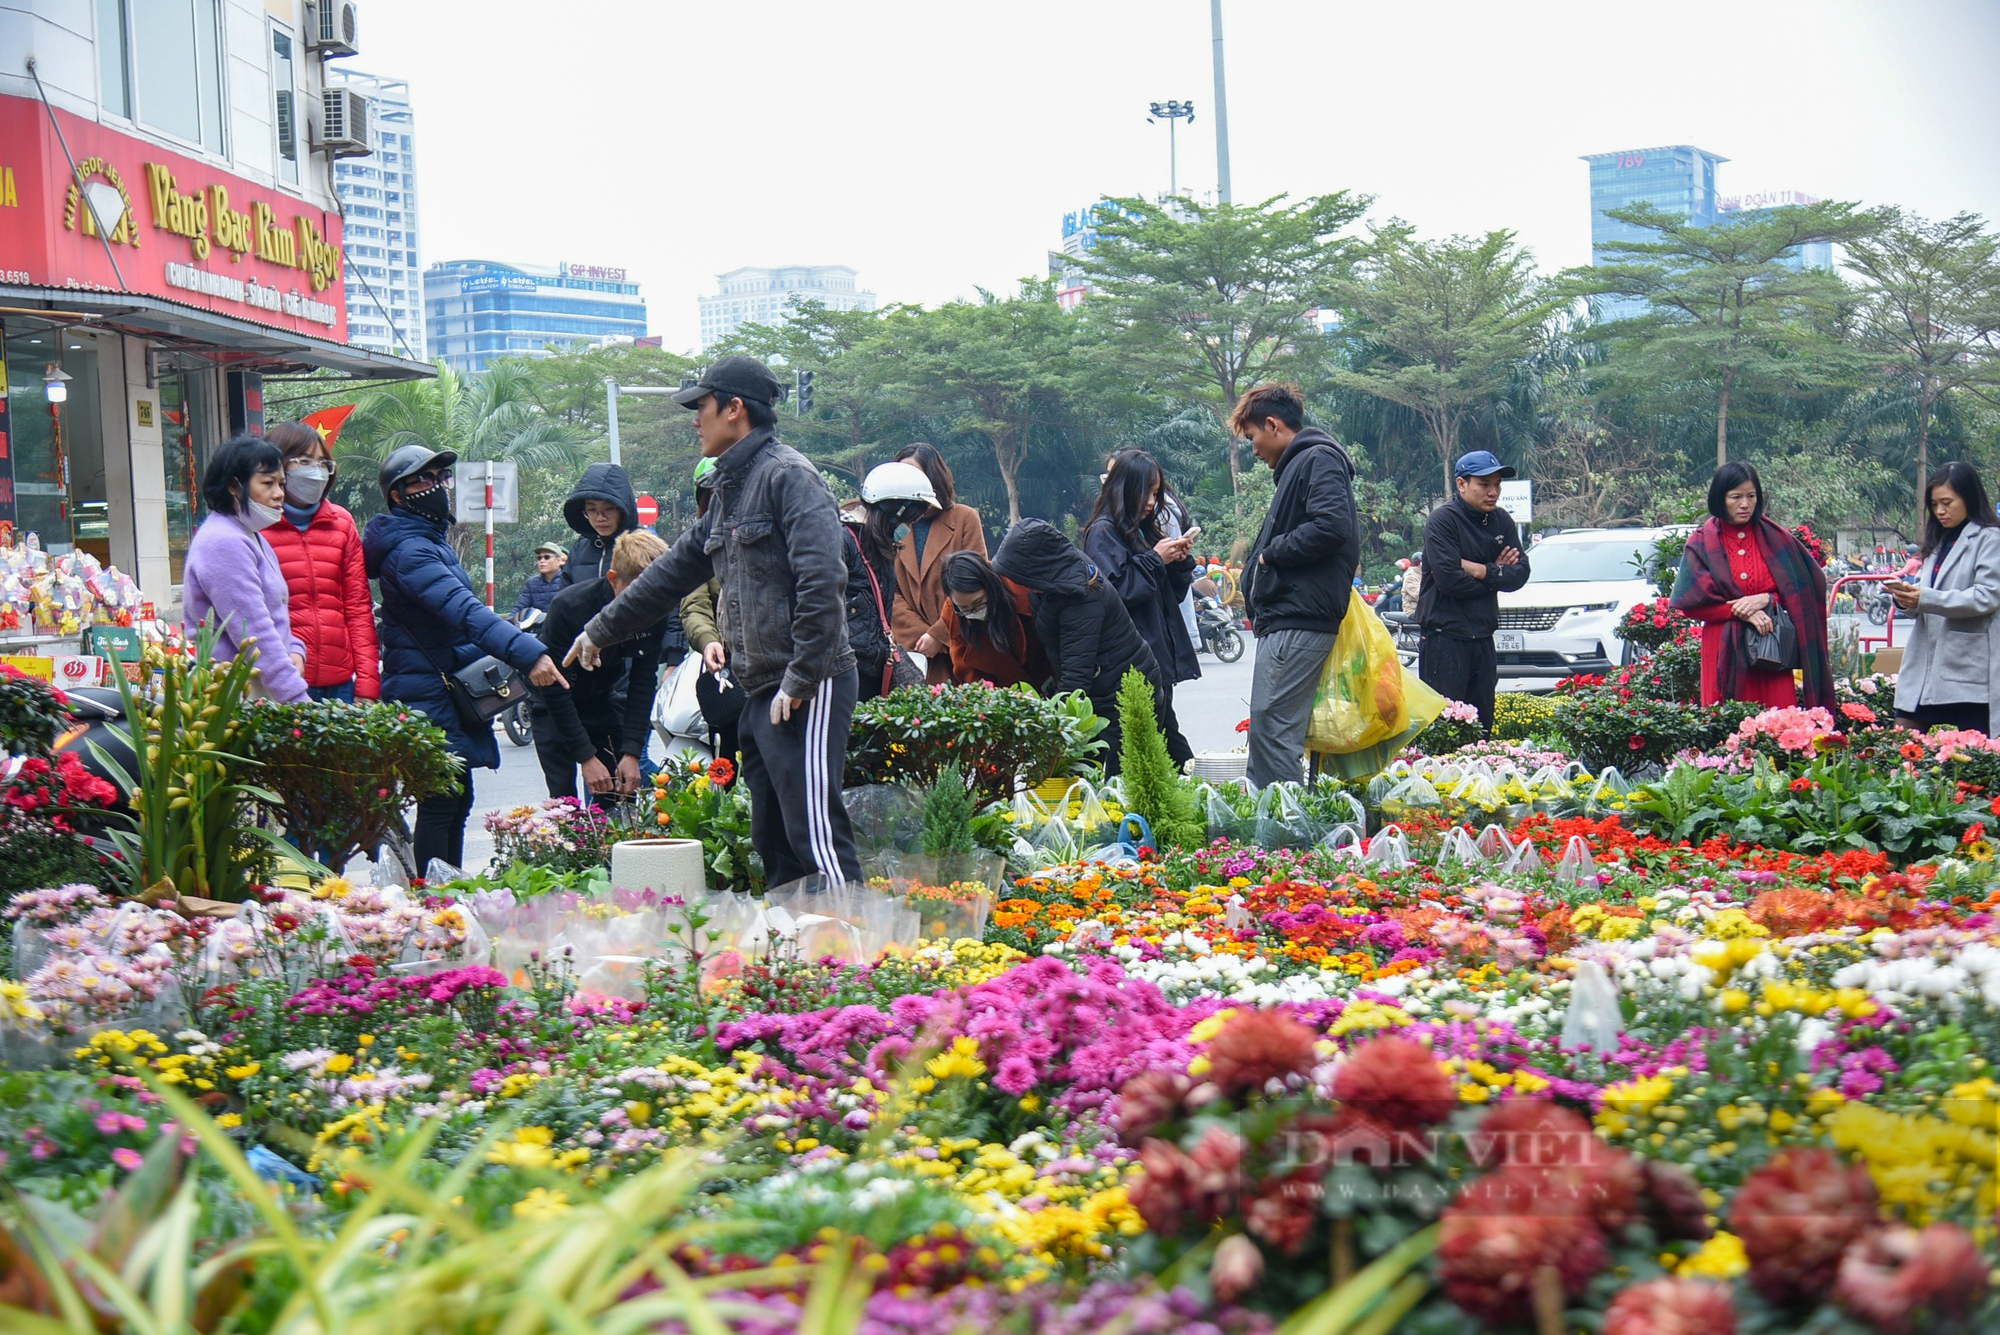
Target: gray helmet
{"points": [[405, 462]]}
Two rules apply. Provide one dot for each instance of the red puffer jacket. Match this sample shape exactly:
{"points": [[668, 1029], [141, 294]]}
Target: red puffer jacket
{"points": [[331, 607]]}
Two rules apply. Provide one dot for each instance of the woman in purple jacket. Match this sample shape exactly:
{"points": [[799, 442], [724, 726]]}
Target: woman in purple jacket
{"points": [[232, 579]]}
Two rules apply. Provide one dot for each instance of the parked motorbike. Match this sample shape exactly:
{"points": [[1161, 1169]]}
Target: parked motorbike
{"points": [[1409, 636], [1219, 633]]}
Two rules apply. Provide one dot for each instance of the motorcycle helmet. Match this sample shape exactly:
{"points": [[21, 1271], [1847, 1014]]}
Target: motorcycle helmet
{"points": [[704, 473], [887, 483], [405, 462]]}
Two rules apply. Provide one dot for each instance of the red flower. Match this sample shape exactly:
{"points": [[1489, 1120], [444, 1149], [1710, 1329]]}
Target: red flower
{"points": [[1803, 785], [1975, 834], [721, 772], [1397, 1082], [1893, 1275], [1501, 1231], [1911, 750], [1859, 713], [1672, 1307], [1796, 1215], [1244, 726], [1257, 1047], [1637, 743]]}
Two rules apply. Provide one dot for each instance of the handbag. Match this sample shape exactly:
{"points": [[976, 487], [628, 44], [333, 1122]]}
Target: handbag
{"points": [[899, 670], [481, 690], [1777, 650]]}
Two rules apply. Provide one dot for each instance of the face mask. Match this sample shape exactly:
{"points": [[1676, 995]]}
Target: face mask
{"points": [[433, 504], [972, 613], [257, 517], [306, 487]]}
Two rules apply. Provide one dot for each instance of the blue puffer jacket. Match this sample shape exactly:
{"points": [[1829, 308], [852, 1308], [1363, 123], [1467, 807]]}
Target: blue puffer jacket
{"points": [[433, 623]]}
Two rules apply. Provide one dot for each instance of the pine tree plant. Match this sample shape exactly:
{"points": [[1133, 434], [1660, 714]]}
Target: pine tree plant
{"points": [[948, 810], [1153, 786]]}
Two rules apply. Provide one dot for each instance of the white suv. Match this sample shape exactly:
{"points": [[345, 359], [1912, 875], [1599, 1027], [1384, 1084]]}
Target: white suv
{"points": [[1564, 621]]}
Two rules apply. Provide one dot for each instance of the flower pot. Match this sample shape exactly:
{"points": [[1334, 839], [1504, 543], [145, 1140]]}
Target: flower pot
{"points": [[667, 866]]}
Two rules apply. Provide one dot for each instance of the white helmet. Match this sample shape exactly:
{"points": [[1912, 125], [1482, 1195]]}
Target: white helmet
{"points": [[897, 482]]}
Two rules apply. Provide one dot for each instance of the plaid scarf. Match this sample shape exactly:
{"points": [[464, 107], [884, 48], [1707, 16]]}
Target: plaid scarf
{"points": [[1704, 580]]}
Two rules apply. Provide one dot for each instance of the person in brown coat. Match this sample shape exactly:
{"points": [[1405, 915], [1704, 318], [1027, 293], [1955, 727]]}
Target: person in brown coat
{"points": [[918, 619]]}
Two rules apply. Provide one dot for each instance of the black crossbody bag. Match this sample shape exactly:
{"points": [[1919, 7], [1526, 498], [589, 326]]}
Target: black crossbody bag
{"points": [[479, 691]]}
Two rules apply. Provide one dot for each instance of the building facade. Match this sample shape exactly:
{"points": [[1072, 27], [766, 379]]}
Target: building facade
{"points": [[168, 246], [767, 296], [378, 194], [477, 311], [1679, 179], [1814, 255]]}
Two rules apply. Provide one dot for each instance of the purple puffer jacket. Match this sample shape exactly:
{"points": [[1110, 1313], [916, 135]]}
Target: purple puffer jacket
{"points": [[232, 579]]}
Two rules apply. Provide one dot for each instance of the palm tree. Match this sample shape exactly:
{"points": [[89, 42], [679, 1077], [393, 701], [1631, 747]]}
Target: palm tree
{"points": [[491, 416]]}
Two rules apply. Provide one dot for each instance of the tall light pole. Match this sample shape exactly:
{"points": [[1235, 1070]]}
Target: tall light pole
{"points": [[1172, 112], [1221, 107]]}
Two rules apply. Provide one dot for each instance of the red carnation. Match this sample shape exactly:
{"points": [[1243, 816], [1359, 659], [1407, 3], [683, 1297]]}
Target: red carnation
{"points": [[1893, 1276], [1397, 1082], [1672, 1307], [1796, 1215], [1257, 1047]]}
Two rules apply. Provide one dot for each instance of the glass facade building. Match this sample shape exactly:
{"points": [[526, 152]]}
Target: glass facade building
{"points": [[379, 193], [476, 311], [1679, 179]]}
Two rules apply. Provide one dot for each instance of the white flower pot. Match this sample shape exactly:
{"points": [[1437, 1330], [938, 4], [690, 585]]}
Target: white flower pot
{"points": [[668, 866]]}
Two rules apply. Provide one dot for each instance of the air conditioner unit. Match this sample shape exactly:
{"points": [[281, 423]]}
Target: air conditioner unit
{"points": [[344, 123], [330, 28]]}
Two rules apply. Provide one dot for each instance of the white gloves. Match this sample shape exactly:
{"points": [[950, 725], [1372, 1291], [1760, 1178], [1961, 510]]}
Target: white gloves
{"points": [[584, 652], [781, 708]]}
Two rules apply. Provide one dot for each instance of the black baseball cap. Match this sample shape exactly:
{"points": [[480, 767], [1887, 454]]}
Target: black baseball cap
{"points": [[743, 378]]}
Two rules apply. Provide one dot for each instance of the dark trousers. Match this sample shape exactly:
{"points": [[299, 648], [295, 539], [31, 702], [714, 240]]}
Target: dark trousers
{"points": [[558, 770], [1969, 717], [798, 823], [440, 831], [1462, 670], [1177, 742]]}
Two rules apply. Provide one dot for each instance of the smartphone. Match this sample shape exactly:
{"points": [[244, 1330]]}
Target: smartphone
{"points": [[1194, 532]]}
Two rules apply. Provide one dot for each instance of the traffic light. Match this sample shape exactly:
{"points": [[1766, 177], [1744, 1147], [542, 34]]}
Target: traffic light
{"points": [[805, 392]]}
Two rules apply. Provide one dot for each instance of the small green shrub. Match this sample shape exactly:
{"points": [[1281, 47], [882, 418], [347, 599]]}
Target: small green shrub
{"points": [[31, 714], [998, 736], [948, 811], [1153, 787]]}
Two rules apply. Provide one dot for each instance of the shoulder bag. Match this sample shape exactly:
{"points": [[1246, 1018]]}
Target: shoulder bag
{"points": [[1777, 651], [899, 670], [481, 690]]}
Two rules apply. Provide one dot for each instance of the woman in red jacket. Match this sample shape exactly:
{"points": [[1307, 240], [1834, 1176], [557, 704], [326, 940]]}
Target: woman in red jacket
{"points": [[319, 551]]}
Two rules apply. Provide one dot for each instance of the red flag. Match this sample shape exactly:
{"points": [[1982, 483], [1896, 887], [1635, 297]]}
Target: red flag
{"points": [[328, 421]]}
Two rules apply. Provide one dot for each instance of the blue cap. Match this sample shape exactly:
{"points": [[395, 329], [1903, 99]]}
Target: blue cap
{"points": [[1481, 463]]}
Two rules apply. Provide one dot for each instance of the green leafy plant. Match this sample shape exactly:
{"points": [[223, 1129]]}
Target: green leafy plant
{"points": [[1153, 788], [701, 799], [194, 812], [31, 713], [1600, 728], [948, 811], [1001, 737], [344, 773]]}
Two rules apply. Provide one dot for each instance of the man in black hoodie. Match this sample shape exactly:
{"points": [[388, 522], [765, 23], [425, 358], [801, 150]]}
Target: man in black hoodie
{"points": [[1472, 554], [600, 508], [1298, 577]]}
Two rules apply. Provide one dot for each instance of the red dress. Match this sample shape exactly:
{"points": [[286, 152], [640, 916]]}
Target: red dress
{"points": [[1764, 686]]}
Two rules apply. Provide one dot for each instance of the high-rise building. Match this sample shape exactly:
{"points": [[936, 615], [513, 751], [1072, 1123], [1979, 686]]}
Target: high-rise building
{"points": [[1679, 180], [1079, 235], [476, 311], [379, 194], [1814, 255], [766, 296]]}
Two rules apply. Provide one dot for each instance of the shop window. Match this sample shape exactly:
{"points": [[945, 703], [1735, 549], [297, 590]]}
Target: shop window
{"points": [[114, 72], [176, 50]]}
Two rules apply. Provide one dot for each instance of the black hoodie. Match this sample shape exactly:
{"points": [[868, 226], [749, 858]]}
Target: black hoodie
{"points": [[590, 557], [1081, 620], [1300, 574]]}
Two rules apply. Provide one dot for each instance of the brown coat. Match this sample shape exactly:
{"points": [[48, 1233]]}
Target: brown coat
{"points": [[920, 595], [970, 663]]}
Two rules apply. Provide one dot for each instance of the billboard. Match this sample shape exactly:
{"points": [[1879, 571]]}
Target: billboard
{"points": [[135, 217]]}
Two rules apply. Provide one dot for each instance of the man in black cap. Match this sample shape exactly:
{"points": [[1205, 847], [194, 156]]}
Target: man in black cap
{"points": [[1472, 553], [772, 538]]}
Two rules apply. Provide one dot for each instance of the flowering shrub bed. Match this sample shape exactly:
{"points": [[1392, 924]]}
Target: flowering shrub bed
{"points": [[1706, 1053]]}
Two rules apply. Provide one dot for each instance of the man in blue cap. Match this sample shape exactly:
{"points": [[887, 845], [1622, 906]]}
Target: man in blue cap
{"points": [[1472, 552]]}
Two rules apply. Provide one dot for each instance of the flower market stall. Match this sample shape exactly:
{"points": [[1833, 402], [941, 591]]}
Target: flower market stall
{"points": [[1633, 1017]]}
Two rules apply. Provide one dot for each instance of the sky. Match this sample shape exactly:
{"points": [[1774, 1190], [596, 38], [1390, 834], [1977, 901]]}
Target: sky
{"points": [[936, 146]]}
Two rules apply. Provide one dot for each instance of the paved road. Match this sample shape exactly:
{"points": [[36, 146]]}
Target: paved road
{"points": [[1209, 710]]}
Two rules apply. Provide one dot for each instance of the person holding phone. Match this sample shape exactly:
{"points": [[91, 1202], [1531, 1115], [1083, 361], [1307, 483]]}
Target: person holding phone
{"points": [[1125, 539], [1474, 556], [1739, 567], [1948, 677]]}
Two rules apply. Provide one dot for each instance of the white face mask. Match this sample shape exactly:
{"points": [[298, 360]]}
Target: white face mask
{"points": [[257, 517], [972, 613], [305, 486]]}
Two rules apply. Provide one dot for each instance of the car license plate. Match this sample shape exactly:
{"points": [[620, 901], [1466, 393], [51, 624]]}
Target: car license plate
{"points": [[1510, 641]]}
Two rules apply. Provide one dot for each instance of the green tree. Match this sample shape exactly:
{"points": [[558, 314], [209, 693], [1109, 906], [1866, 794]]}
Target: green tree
{"points": [[1439, 327], [1207, 300], [1730, 303], [852, 408], [1000, 369], [1931, 312]]}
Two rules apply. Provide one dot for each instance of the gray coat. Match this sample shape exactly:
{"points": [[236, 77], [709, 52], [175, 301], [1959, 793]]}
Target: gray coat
{"points": [[772, 537], [1954, 652]]}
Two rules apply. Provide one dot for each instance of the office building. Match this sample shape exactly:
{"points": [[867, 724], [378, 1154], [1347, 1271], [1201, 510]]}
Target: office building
{"points": [[1679, 180], [768, 296], [379, 193], [476, 311], [1079, 235], [1815, 255], [194, 247]]}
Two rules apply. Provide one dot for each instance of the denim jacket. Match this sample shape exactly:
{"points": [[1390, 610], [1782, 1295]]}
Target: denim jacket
{"points": [[772, 538]]}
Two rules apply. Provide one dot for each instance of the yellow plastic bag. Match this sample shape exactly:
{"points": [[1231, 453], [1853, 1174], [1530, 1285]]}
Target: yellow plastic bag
{"points": [[1366, 696]]}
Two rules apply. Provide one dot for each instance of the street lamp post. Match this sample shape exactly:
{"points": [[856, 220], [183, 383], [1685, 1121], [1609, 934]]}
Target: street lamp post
{"points": [[1171, 113], [612, 391]]}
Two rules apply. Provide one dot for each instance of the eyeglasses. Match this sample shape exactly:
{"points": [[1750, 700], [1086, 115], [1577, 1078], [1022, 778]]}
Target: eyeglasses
{"points": [[294, 465], [430, 477]]}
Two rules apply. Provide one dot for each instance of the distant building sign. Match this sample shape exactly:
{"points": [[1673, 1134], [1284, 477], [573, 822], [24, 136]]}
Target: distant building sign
{"points": [[1631, 160], [594, 272], [133, 217], [494, 282], [1766, 199]]}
